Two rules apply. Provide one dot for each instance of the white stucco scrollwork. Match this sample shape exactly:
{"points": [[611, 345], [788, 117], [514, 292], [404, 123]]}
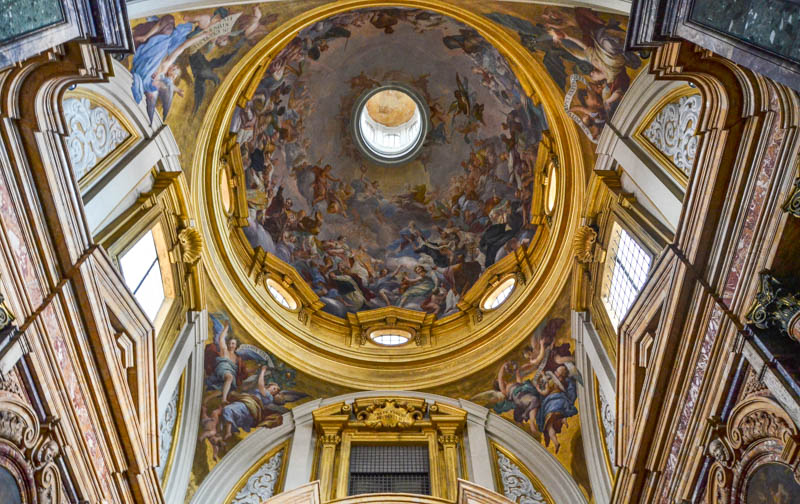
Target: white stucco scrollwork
{"points": [[261, 485], [516, 485], [672, 131], [607, 417], [166, 429], [94, 133]]}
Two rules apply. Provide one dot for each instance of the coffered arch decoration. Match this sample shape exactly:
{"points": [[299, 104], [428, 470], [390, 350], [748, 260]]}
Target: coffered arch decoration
{"points": [[445, 337], [759, 444]]}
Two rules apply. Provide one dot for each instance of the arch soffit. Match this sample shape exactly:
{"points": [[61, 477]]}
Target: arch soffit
{"points": [[321, 352]]}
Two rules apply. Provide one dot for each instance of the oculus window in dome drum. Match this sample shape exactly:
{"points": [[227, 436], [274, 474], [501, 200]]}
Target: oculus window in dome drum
{"points": [[390, 124]]}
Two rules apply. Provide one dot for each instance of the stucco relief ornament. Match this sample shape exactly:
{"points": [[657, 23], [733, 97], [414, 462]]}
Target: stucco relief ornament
{"points": [[390, 414], [776, 307], [261, 485], [93, 133], [672, 131], [583, 244], [517, 487], [191, 244], [759, 424], [166, 432], [720, 452]]}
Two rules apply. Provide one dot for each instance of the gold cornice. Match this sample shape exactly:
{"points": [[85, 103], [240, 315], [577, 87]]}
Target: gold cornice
{"points": [[318, 344]]}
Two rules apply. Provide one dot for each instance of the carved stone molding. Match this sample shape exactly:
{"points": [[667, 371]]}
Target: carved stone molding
{"points": [[792, 206], [29, 450], [757, 432], [776, 307]]}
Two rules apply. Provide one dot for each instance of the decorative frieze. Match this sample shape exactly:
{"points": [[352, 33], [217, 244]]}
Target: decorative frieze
{"points": [[263, 483], [94, 133]]}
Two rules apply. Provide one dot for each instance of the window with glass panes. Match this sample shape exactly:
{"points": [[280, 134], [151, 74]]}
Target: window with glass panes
{"points": [[142, 274], [627, 265]]}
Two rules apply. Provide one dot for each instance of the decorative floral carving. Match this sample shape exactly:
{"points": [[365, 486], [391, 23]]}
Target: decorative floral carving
{"points": [[167, 433], [391, 414], [93, 133], [517, 487], [14, 428], [261, 485], [583, 244], [191, 244], [672, 131], [758, 425], [607, 418]]}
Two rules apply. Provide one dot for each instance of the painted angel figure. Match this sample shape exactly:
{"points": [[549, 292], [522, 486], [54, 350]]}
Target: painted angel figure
{"points": [[261, 405]]}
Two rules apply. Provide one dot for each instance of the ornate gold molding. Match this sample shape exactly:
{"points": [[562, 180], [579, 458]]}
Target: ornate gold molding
{"points": [[311, 337], [283, 447], [498, 477]]}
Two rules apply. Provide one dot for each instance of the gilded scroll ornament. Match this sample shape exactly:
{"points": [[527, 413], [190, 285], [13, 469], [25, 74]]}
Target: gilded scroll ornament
{"points": [[93, 134], [390, 414], [672, 131], [776, 307]]}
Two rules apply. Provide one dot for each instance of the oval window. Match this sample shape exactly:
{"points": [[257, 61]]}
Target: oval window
{"points": [[281, 295], [552, 189], [499, 294], [390, 337], [225, 191]]}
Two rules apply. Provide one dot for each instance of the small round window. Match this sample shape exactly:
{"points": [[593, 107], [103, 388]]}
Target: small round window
{"points": [[552, 189], [390, 337], [281, 295], [499, 294], [390, 124]]}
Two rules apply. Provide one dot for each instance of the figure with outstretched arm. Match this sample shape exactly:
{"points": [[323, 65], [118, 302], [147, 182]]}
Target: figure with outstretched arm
{"points": [[226, 362]]}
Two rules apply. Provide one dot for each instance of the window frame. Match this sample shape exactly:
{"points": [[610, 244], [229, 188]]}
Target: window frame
{"points": [[607, 278]]}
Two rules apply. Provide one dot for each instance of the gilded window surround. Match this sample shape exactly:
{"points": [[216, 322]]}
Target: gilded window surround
{"points": [[283, 447], [110, 159], [164, 206], [389, 420], [311, 337], [606, 205], [666, 163]]}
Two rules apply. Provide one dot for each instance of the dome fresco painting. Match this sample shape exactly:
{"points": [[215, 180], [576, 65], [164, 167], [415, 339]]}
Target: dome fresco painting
{"points": [[365, 236]]}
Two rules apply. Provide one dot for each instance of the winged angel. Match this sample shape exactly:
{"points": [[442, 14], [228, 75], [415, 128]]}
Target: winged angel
{"points": [[542, 390], [244, 388]]}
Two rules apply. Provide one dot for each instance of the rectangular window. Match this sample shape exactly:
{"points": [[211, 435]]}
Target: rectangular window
{"points": [[626, 269], [142, 274], [389, 469]]}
